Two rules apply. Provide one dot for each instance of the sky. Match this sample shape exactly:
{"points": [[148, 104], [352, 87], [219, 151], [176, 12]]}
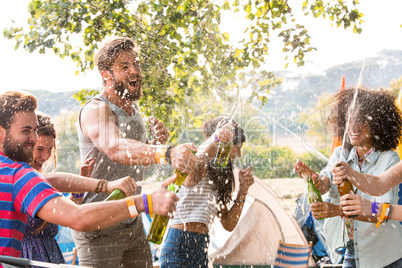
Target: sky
{"points": [[381, 30]]}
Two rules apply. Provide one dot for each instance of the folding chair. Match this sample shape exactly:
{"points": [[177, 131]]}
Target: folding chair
{"points": [[70, 256], [292, 256]]}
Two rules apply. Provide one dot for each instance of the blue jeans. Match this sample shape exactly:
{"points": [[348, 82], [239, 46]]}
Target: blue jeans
{"points": [[184, 249], [349, 259]]}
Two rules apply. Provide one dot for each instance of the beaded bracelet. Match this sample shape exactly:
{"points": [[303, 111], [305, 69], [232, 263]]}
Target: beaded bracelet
{"points": [[77, 195], [144, 199], [240, 201]]}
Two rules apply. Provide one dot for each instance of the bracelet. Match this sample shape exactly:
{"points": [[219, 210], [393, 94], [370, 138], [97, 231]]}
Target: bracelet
{"points": [[77, 195], [131, 206], [149, 199], [240, 201], [387, 213], [374, 209], [99, 186], [216, 138], [167, 154], [160, 154], [144, 199], [317, 182], [384, 210]]}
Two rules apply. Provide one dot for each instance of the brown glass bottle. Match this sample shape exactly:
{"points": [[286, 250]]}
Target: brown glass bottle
{"points": [[346, 187]]}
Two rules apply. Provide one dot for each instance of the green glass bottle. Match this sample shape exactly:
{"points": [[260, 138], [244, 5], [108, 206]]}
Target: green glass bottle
{"points": [[314, 196], [222, 154], [160, 223], [116, 195]]}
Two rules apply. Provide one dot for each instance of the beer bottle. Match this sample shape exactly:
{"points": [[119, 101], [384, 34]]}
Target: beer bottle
{"points": [[116, 195], [160, 223], [314, 196], [222, 154], [346, 187]]}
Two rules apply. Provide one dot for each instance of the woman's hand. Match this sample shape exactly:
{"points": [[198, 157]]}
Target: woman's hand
{"points": [[325, 210], [304, 171], [341, 171], [353, 204], [87, 167], [226, 133], [246, 179], [126, 184]]}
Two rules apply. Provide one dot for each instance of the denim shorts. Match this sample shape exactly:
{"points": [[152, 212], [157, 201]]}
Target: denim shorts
{"points": [[349, 260], [184, 249]]}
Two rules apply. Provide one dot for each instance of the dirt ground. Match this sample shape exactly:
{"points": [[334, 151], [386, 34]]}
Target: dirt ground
{"points": [[288, 190]]}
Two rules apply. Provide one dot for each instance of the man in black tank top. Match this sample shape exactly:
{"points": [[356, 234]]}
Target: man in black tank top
{"points": [[111, 130]]}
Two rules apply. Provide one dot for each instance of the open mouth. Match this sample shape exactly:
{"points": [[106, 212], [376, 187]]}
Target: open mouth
{"points": [[133, 83], [354, 135]]}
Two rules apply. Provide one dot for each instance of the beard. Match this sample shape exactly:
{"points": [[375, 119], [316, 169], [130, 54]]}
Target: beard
{"points": [[121, 88], [17, 152]]}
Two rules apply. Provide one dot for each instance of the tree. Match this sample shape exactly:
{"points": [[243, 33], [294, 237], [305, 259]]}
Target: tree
{"points": [[184, 54], [396, 85]]}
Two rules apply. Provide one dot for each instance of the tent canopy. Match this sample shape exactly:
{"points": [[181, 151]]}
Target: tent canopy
{"points": [[263, 223]]}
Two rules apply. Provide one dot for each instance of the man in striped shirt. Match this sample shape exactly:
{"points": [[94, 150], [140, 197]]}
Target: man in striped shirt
{"points": [[23, 191]]}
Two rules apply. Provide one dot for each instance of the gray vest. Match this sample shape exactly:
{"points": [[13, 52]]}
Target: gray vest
{"points": [[131, 127]]}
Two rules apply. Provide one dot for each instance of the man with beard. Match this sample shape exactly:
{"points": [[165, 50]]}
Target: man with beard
{"points": [[23, 191], [112, 131]]}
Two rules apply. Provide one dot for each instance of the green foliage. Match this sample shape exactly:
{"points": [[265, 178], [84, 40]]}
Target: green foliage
{"points": [[313, 162], [272, 162], [183, 51], [396, 86], [84, 95]]}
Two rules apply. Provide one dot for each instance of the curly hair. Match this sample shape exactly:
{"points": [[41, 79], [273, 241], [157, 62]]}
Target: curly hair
{"points": [[223, 179], [376, 108]]}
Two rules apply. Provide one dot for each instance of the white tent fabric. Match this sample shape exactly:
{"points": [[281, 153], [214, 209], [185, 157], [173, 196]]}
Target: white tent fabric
{"points": [[255, 239]]}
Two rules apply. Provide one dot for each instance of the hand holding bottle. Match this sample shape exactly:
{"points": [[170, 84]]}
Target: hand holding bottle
{"points": [[163, 201], [341, 171], [182, 157], [304, 171], [323, 210], [224, 134], [126, 184], [353, 204]]}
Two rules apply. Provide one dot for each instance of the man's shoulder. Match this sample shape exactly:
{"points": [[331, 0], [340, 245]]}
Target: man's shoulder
{"points": [[94, 108]]}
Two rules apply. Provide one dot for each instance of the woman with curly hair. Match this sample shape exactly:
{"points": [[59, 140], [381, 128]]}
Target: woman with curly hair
{"points": [[373, 130], [206, 193]]}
